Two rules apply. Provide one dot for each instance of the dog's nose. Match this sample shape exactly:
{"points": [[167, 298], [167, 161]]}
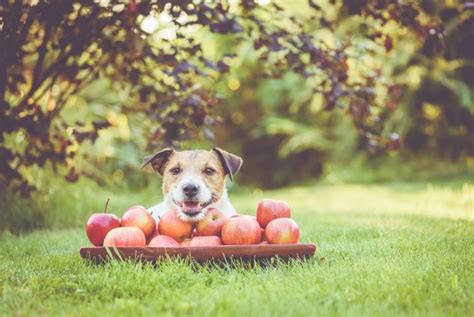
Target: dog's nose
{"points": [[190, 190]]}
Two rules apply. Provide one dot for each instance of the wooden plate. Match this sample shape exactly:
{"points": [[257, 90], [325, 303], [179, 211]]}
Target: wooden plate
{"points": [[202, 254]]}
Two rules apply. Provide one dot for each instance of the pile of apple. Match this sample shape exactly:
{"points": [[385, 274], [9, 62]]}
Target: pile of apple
{"points": [[137, 228]]}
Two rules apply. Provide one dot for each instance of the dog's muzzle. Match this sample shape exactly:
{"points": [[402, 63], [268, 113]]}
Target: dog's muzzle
{"points": [[192, 208]]}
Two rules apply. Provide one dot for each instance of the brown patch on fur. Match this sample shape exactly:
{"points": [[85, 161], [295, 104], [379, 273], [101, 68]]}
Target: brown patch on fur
{"points": [[195, 162]]}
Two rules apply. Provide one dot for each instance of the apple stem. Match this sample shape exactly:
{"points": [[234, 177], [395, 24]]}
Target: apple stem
{"points": [[106, 205]]}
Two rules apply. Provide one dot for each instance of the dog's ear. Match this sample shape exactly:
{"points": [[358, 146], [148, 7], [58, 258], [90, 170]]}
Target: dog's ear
{"points": [[229, 161], [158, 159]]}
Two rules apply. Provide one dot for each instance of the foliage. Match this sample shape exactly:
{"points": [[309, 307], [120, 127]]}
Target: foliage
{"points": [[436, 114], [273, 124], [423, 85], [51, 50]]}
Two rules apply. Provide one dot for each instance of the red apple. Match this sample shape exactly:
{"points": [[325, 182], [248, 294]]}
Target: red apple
{"points": [[171, 225], [154, 233], [269, 209], [241, 230], [138, 216], [125, 237], [98, 225], [282, 230], [185, 243], [211, 224], [205, 241], [163, 241]]}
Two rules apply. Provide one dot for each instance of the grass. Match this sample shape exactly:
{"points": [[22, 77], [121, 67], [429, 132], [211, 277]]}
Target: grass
{"points": [[385, 249]]}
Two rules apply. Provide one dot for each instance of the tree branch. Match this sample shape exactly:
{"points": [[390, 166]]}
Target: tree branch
{"points": [[41, 56], [37, 72]]}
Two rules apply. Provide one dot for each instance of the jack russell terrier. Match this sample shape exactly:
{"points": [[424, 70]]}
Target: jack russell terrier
{"points": [[194, 181]]}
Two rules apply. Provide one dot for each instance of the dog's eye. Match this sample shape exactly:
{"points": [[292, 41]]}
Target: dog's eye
{"points": [[209, 171], [175, 170]]}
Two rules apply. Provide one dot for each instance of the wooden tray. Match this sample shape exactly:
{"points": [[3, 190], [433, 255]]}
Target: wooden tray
{"points": [[202, 254]]}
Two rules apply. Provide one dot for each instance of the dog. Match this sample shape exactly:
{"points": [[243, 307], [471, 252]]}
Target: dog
{"points": [[194, 181]]}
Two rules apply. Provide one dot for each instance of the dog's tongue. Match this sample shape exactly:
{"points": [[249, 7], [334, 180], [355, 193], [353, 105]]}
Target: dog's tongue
{"points": [[191, 206]]}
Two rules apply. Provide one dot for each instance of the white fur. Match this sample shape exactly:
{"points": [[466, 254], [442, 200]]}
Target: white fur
{"points": [[176, 195], [204, 194]]}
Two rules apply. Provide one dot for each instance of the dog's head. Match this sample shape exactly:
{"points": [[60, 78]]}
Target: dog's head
{"points": [[193, 180]]}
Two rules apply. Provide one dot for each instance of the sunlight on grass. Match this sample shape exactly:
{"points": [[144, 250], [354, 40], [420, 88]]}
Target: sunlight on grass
{"points": [[416, 199], [382, 249]]}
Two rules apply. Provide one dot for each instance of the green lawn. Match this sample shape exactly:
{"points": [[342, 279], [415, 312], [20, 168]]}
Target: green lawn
{"points": [[405, 248]]}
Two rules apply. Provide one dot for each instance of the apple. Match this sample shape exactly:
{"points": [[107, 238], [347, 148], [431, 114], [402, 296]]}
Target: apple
{"points": [[269, 209], [211, 224], [155, 232], [262, 232], [171, 225], [205, 241], [125, 237], [185, 243], [282, 230], [138, 216], [241, 230], [99, 224], [163, 241]]}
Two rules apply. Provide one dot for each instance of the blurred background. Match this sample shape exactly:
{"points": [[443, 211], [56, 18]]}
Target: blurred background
{"points": [[306, 92]]}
